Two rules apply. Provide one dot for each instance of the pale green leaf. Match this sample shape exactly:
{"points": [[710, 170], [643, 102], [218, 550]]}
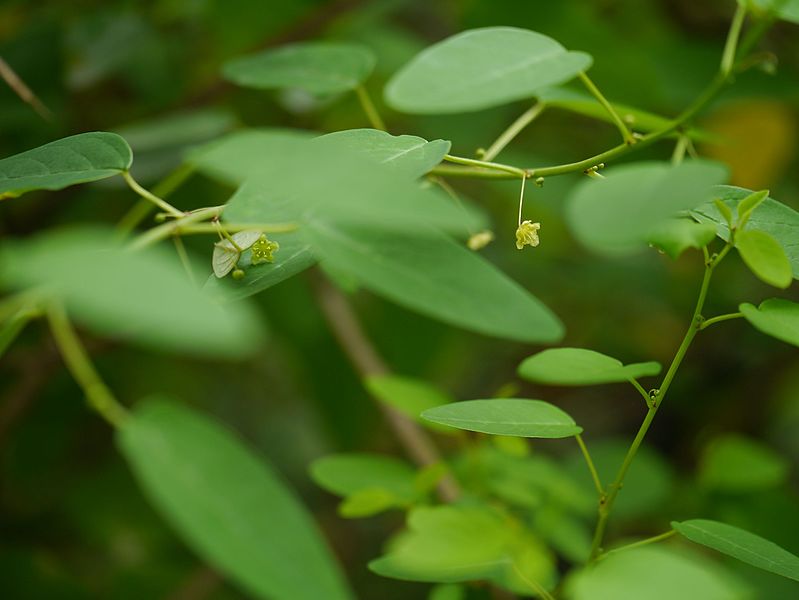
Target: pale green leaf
{"points": [[653, 573], [748, 205], [733, 463], [765, 257], [674, 236], [447, 591], [482, 68], [577, 366], [317, 67], [348, 474], [226, 255], [741, 544], [409, 155], [76, 159], [409, 396], [144, 297], [618, 214], [787, 10], [777, 318], [228, 505], [771, 216], [506, 416], [428, 272], [367, 502]]}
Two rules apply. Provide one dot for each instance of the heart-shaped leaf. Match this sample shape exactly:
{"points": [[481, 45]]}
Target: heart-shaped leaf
{"points": [[777, 318]]}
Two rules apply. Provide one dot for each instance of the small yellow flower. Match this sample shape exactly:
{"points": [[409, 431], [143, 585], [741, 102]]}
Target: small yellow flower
{"points": [[262, 250], [527, 234], [480, 240]]}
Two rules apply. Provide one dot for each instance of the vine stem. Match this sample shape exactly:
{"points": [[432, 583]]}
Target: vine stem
{"points": [[591, 467], [80, 365], [369, 108], [364, 356], [644, 542], [625, 133], [165, 230], [512, 131], [163, 189], [485, 164], [606, 502], [148, 195], [719, 319]]}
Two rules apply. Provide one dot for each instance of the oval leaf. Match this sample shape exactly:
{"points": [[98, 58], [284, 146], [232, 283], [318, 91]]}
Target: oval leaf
{"points": [[482, 68], [777, 318], [409, 155], [506, 416], [619, 214], [348, 474], [765, 257], [734, 463], [316, 67], [144, 297], [576, 366], [740, 544], [229, 506], [76, 159]]}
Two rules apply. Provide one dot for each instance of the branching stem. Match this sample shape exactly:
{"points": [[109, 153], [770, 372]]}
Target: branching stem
{"points": [[625, 133]]}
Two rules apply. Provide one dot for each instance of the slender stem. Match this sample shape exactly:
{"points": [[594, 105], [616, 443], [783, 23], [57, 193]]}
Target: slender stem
{"points": [[591, 467], [642, 391], [472, 162], [14, 326], [147, 195], [184, 258], [534, 585], [521, 200], [679, 150], [165, 230], [236, 227], [80, 365], [369, 108], [728, 57], [625, 133], [719, 319], [163, 190], [21, 89], [513, 130], [644, 542]]}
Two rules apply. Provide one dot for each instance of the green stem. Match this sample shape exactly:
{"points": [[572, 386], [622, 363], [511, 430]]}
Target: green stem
{"points": [[644, 542], [679, 150], [728, 57], [513, 130], [370, 109], [534, 585], [591, 467], [708, 322], [147, 195], [79, 364], [180, 248], [472, 162], [163, 190], [625, 133], [165, 230], [14, 326], [236, 227], [642, 391]]}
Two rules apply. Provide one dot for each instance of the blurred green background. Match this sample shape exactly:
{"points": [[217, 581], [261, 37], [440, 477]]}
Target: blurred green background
{"points": [[72, 522]]}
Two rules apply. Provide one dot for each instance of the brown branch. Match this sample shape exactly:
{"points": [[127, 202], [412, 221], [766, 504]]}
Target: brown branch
{"points": [[367, 362], [23, 91]]}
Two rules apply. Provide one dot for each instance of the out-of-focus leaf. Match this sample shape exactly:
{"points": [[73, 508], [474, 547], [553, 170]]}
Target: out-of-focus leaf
{"points": [[577, 366], [506, 416], [409, 155], [733, 463], [765, 257], [347, 474], [787, 10], [227, 505], [776, 317], [143, 297], [618, 214], [482, 68], [410, 396], [316, 67], [773, 217], [741, 544], [76, 159], [447, 591], [674, 236]]}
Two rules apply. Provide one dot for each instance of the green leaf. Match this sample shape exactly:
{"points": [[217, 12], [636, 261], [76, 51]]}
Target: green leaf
{"points": [[748, 205], [317, 67], [617, 215], [724, 210], [409, 155], [739, 543], [76, 159], [409, 396], [367, 502], [348, 474], [506, 416], [577, 366], [653, 573], [674, 236], [428, 272], [777, 318], [447, 591], [226, 255], [228, 505], [773, 217], [450, 544], [765, 257], [294, 256], [144, 297], [733, 463], [482, 68], [787, 10]]}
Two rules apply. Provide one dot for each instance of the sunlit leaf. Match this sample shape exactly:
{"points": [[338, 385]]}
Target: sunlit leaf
{"points": [[619, 214], [577, 366], [740, 544], [316, 67], [482, 68], [76, 159], [506, 416], [765, 257], [733, 463], [777, 318], [228, 505]]}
